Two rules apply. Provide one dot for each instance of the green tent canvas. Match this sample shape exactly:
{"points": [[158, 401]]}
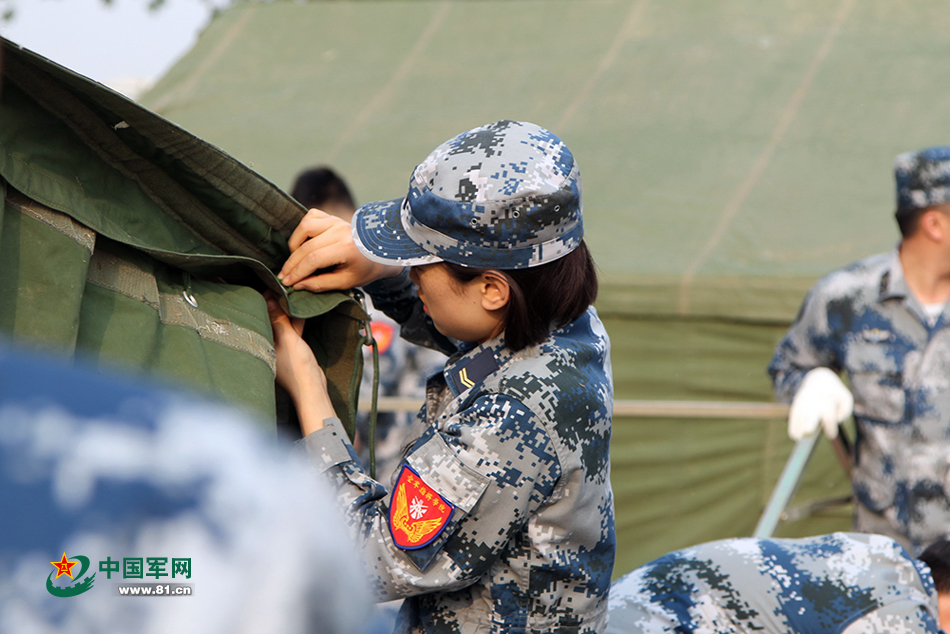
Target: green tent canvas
{"points": [[136, 246], [732, 152]]}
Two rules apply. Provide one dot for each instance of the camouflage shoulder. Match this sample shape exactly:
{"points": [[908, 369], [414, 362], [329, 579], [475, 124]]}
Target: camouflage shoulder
{"points": [[850, 280]]}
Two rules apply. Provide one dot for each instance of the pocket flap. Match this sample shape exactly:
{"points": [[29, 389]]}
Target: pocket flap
{"points": [[440, 467]]}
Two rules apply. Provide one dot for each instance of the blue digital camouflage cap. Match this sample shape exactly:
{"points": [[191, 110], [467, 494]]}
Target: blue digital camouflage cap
{"points": [[923, 178], [506, 195]]}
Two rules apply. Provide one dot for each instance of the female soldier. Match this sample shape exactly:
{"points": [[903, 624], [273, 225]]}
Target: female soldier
{"points": [[500, 517]]}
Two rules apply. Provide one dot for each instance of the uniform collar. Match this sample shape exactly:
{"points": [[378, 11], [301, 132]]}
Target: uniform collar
{"points": [[473, 363], [893, 285]]}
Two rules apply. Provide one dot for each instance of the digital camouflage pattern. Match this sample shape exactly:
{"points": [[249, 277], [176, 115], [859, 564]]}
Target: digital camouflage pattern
{"points": [[848, 583], [923, 178], [506, 195], [864, 320], [518, 443]]}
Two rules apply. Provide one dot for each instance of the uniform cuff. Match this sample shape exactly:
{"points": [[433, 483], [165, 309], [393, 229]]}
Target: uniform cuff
{"points": [[389, 285], [326, 447]]}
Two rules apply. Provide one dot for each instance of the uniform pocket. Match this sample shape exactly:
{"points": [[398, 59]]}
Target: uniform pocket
{"points": [[876, 382], [878, 397], [440, 469]]}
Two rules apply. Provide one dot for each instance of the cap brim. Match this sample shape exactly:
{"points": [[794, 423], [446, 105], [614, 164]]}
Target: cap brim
{"points": [[379, 235]]}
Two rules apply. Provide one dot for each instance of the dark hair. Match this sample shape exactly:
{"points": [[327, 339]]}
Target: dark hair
{"points": [[937, 558], [908, 220], [552, 294], [318, 186]]}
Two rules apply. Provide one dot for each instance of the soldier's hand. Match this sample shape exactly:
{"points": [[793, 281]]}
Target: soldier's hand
{"points": [[324, 257], [297, 369], [821, 399]]}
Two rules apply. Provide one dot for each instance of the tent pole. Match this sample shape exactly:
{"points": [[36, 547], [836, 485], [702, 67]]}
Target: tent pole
{"points": [[786, 486]]}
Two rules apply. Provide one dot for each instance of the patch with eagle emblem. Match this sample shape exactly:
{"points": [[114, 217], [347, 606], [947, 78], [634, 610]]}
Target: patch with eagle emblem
{"points": [[417, 513]]}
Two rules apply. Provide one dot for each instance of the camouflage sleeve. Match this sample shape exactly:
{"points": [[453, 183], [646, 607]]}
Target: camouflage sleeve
{"points": [[396, 296], [902, 617], [808, 344], [493, 462]]}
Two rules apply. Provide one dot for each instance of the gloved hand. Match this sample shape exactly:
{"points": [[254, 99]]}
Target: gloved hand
{"points": [[821, 398]]}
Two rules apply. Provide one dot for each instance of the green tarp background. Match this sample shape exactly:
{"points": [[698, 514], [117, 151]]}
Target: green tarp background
{"points": [[731, 151], [129, 243]]}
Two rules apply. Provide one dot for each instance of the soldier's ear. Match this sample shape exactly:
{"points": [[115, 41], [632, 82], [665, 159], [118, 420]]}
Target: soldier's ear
{"points": [[935, 223], [495, 290]]}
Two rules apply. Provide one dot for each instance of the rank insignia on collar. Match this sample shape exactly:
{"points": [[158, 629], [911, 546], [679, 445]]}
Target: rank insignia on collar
{"points": [[417, 513], [466, 375], [885, 282]]}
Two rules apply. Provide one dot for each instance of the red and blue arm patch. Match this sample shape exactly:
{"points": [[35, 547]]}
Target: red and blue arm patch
{"points": [[417, 513]]}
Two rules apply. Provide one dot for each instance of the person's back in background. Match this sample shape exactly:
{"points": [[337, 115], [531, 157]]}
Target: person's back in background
{"points": [[843, 582]]}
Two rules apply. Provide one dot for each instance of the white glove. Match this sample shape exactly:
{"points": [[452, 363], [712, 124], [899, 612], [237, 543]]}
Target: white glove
{"points": [[821, 398]]}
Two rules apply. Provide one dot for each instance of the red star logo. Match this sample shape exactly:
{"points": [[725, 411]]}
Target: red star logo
{"points": [[64, 567]]}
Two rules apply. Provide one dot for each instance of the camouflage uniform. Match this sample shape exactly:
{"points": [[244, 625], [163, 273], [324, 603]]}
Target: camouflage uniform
{"points": [[514, 446], [848, 583], [865, 321], [522, 454]]}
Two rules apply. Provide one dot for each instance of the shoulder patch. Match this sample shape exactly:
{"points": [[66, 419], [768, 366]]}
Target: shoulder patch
{"points": [[466, 375], [417, 513]]}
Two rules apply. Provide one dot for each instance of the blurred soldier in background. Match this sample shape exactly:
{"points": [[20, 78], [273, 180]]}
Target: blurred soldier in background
{"points": [[322, 188], [883, 321], [403, 366], [848, 583]]}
